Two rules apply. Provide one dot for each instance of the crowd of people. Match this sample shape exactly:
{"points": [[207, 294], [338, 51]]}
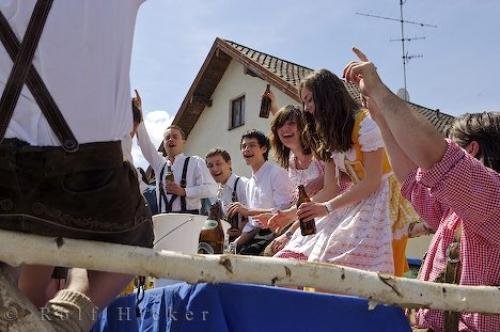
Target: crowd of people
{"points": [[385, 169], [369, 169]]}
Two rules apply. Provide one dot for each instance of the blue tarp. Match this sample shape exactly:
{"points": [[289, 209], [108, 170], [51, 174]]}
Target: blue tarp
{"points": [[246, 308]]}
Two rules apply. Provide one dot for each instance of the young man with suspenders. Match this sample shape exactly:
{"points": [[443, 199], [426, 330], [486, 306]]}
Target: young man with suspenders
{"points": [[192, 180], [232, 188], [63, 113]]}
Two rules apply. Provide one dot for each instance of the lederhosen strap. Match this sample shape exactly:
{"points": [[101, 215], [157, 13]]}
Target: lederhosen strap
{"points": [[24, 72], [183, 185], [234, 196], [451, 275], [163, 195]]}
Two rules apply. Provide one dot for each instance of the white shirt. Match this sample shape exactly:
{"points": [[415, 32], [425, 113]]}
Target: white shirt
{"points": [[268, 188], [84, 59], [199, 182], [226, 191]]}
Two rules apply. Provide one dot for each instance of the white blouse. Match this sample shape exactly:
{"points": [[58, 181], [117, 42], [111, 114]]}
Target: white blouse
{"points": [[370, 139]]}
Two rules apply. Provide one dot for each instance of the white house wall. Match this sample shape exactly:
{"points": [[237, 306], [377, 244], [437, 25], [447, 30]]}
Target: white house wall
{"points": [[211, 129]]}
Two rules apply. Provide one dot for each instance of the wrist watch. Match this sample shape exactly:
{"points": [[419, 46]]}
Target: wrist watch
{"points": [[329, 206], [288, 235]]}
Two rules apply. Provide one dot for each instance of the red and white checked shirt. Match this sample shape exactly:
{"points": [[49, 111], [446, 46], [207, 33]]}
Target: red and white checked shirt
{"points": [[459, 190]]}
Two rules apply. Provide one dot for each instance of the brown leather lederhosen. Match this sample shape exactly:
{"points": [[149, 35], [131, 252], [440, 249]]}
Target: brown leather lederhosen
{"points": [[450, 275], [82, 191]]}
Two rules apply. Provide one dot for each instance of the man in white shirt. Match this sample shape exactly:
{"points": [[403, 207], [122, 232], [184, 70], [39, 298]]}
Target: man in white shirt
{"points": [[268, 190], [192, 180], [64, 109], [232, 188]]}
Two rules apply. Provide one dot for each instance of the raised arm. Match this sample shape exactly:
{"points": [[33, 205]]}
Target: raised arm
{"points": [[418, 139], [148, 149], [469, 188], [401, 164], [274, 107], [426, 205]]}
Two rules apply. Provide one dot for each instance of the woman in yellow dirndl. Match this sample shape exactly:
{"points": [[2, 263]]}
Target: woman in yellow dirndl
{"points": [[366, 225]]}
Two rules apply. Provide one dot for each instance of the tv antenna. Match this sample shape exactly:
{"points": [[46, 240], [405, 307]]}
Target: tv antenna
{"points": [[405, 56]]}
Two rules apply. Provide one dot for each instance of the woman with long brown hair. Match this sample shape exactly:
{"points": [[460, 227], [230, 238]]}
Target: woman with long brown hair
{"points": [[292, 150], [364, 226]]}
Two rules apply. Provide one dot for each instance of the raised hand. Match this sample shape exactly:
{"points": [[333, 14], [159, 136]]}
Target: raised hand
{"points": [[137, 101], [364, 74], [274, 108]]}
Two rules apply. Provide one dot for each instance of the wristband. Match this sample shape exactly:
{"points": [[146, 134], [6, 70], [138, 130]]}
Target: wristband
{"points": [[329, 207]]}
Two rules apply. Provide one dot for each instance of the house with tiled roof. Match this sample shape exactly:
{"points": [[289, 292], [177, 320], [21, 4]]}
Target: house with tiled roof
{"points": [[224, 99]]}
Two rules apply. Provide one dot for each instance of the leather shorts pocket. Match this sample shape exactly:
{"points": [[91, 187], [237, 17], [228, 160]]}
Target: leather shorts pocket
{"points": [[88, 181]]}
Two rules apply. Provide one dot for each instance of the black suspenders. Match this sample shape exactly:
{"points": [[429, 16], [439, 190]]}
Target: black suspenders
{"points": [[183, 185], [234, 196], [163, 195], [24, 72]]}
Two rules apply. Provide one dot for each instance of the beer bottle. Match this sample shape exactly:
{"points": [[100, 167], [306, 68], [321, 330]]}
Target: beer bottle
{"points": [[169, 174], [211, 240], [307, 227], [233, 221], [265, 103]]}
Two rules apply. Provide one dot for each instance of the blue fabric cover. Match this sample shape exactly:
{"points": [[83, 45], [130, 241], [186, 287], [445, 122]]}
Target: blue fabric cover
{"points": [[246, 308]]}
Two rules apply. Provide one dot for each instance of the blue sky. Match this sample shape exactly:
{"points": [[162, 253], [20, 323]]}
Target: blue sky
{"points": [[458, 72]]}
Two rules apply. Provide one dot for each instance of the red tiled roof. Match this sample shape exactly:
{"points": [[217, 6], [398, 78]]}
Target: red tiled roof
{"points": [[284, 75]]}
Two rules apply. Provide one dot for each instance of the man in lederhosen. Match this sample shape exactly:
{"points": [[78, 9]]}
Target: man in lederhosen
{"points": [[65, 106]]}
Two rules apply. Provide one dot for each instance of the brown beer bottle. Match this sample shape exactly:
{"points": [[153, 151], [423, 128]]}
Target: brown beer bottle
{"points": [[211, 239], [307, 227], [169, 174], [265, 103], [234, 225]]}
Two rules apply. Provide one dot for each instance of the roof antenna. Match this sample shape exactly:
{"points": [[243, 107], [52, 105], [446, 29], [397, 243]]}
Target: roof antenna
{"points": [[405, 57]]}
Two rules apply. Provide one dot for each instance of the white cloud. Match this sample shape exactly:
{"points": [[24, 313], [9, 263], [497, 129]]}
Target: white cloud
{"points": [[155, 122]]}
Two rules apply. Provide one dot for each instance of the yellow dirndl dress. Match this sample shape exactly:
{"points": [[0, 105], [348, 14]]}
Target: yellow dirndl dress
{"points": [[352, 239]]}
